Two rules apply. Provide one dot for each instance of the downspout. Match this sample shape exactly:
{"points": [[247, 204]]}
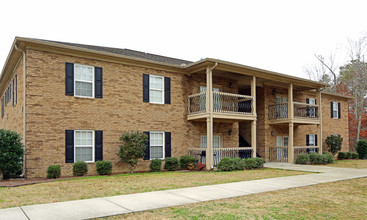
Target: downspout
{"points": [[24, 108]]}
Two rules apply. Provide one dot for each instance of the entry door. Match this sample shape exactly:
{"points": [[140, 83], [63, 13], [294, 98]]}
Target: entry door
{"points": [[282, 107], [216, 99], [216, 144], [282, 148]]}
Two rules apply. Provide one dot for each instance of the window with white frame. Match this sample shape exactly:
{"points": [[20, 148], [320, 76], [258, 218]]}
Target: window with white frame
{"points": [[311, 140], [83, 80], [156, 144], [312, 109], [335, 110], [84, 146], [156, 89]]}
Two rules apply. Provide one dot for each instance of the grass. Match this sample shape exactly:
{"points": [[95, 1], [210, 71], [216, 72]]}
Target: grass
{"points": [[358, 164], [101, 186], [337, 200]]}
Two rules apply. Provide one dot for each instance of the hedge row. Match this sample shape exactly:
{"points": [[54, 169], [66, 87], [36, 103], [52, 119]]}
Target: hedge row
{"points": [[231, 164], [80, 168], [347, 155], [315, 158]]}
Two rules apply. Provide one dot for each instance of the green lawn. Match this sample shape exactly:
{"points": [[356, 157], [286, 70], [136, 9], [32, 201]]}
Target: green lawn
{"points": [[337, 200], [101, 186], [358, 164]]}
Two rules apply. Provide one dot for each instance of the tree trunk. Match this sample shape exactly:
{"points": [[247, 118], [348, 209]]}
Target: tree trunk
{"points": [[359, 127], [1, 175]]}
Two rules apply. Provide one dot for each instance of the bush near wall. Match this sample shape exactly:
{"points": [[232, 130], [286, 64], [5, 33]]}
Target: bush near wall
{"points": [[231, 164], [347, 155], [362, 149], [185, 160], [171, 164], [53, 171], [315, 158], [155, 165], [80, 168], [303, 159], [104, 167]]}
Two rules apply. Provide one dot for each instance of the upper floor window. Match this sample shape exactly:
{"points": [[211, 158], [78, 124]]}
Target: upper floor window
{"points": [[335, 110], [156, 87], [83, 80]]}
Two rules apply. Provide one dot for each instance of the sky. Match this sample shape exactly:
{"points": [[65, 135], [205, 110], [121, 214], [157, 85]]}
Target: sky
{"points": [[280, 36]]}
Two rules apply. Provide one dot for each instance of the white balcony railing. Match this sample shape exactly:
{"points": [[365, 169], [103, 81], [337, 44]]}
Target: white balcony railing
{"points": [[301, 110], [222, 102]]}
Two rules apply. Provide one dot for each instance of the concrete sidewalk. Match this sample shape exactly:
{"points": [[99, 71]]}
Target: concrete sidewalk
{"points": [[115, 205]]}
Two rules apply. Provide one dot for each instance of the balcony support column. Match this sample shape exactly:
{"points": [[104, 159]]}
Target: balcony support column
{"points": [[290, 143], [290, 101], [319, 126], [209, 119], [253, 123]]}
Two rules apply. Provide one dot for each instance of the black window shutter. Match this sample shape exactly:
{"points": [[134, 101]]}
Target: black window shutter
{"points": [[315, 101], [15, 90], [69, 146], [307, 140], [98, 82], [69, 79], [339, 110], [331, 109], [315, 139], [167, 90], [167, 147], [307, 109], [145, 88], [98, 154], [147, 149], [307, 101]]}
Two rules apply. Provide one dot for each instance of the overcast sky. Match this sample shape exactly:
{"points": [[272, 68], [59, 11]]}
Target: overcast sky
{"points": [[280, 36]]}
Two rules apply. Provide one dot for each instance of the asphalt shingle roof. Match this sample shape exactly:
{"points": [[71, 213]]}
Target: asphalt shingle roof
{"points": [[128, 52]]}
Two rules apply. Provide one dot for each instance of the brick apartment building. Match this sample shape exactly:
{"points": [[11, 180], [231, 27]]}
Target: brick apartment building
{"points": [[72, 102]]}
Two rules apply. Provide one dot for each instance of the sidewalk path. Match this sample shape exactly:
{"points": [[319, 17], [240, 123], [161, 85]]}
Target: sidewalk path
{"points": [[115, 205]]}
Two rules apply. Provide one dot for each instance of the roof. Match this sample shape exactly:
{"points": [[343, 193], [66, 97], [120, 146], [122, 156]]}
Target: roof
{"points": [[337, 95], [128, 52]]}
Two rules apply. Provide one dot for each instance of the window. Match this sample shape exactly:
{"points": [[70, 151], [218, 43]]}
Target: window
{"points": [[156, 144], [335, 110], [84, 146], [311, 141], [156, 87], [83, 80]]}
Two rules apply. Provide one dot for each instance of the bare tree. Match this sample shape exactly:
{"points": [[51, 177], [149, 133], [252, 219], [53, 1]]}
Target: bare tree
{"points": [[323, 70], [354, 76]]}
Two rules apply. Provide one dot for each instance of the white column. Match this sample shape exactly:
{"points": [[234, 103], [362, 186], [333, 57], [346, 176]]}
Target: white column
{"points": [[209, 119], [290, 143], [253, 123], [319, 126], [290, 101]]}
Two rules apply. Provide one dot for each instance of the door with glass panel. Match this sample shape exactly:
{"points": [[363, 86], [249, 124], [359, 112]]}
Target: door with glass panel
{"points": [[281, 107], [216, 145], [216, 99], [282, 148]]}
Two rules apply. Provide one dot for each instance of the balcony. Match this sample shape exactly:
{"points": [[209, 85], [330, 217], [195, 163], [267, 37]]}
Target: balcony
{"points": [[225, 106], [302, 113]]}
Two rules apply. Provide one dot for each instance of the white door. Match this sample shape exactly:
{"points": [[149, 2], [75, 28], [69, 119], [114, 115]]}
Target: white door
{"points": [[216, 99], [279, 147], [285, 107], [312, 109], [216, 144]]}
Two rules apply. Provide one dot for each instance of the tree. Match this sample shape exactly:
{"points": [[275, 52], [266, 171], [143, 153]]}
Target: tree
{"points": [[362, 149], [132, 148], [334, 143], [11, 153]]}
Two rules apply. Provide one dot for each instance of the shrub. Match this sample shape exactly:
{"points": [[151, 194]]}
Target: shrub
{"points": [[171, 164], [80, 168], [227, 164], [316, 158], [104, 167], [186, 160], [334, 143], [362, 149], [132, 148], [11, 153], [328, 157], [156, 165], [200, 166], [302, 159], [53, 171], [259, 162], [250, 163], [341, 155], [191, 167], [354, 155], [348, 155]]}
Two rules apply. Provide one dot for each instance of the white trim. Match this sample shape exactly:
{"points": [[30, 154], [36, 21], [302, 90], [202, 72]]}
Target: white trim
{"points": [[163, 147], [313, 140], [150, 89], [93, 146], [336, 110], [93, 81]]}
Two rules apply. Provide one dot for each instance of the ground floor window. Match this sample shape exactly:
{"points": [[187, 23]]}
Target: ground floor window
{"points": [[84, 146], [156, 144]]}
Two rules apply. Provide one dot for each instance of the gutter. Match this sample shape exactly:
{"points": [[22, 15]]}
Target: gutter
{"points": [[24, 108]]}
